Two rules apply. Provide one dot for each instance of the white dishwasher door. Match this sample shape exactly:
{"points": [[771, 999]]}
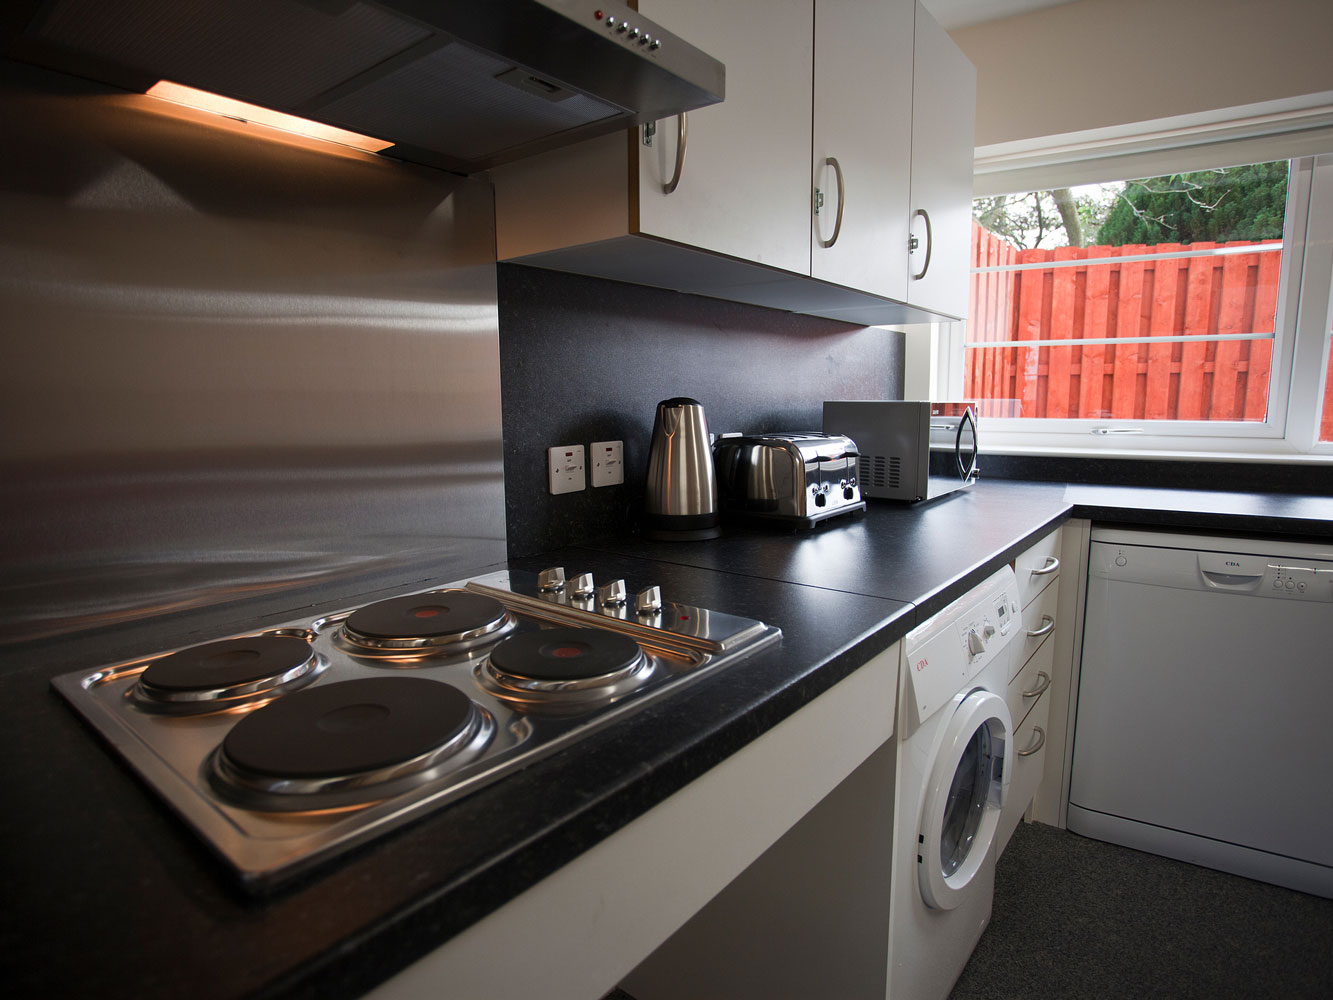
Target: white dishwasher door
{"points": [[1205, 703]]}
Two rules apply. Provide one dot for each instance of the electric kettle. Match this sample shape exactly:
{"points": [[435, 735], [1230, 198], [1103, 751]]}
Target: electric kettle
{"points": [[680, 503]]}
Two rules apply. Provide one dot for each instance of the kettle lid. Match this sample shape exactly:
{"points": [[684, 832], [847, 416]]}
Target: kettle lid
{"points": [[680, 401]]}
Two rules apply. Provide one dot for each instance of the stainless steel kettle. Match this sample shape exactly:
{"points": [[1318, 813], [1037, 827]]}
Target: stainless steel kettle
{"points": [[681, 495]]}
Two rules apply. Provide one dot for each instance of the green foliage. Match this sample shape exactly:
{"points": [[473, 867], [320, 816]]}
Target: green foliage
{"points": [[1235, 203]]}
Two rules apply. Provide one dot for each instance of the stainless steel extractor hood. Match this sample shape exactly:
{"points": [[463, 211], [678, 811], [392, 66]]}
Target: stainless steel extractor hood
{"points": [[457, 84]]}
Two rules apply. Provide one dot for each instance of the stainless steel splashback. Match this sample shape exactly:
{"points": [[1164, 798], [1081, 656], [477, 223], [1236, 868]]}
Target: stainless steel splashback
{"points": [[235, 361]]}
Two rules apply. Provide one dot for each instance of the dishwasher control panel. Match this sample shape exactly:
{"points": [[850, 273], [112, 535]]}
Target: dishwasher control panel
{"points": [[1280, 577]]}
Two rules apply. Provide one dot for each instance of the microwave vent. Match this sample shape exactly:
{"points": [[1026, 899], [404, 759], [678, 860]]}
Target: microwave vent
{"points": [[880, 472]]}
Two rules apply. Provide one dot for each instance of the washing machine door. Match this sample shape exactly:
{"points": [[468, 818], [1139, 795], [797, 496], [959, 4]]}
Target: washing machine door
{"points": [[966, 790]]}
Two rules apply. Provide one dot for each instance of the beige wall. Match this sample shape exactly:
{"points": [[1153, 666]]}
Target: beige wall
{"points": [[1107, 62]]}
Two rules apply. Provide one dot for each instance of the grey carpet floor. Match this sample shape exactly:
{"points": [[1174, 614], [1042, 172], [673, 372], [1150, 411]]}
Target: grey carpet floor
{"points": [[1076, 918]]}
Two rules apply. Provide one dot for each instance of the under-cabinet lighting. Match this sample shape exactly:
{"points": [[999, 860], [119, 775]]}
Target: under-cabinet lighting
{"points": [[217, 104]]}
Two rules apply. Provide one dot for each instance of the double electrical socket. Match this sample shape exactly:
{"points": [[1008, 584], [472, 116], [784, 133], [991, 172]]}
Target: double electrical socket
{"points": [[567, 471]]}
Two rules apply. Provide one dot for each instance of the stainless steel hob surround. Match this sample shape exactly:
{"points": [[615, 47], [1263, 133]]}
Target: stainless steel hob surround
{"points": [[286, 745]]}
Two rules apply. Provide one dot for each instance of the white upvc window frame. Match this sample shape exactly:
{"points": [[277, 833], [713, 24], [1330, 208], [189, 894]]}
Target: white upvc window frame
{"points": [[1290, 430]]}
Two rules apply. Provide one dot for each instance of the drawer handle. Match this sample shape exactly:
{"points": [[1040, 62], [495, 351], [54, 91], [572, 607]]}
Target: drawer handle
{"points": [[1041, 742], [1052, 566], [1046, 628], [1045, 682]]}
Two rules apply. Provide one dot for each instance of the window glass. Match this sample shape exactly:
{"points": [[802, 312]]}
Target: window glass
{"points": [[1146, 300]]}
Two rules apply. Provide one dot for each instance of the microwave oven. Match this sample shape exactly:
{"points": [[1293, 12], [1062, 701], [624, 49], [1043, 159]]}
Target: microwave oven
{"points": [[910, 450]]}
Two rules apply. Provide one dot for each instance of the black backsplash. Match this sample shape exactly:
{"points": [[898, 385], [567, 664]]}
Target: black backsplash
{"points": [[584, 360]]}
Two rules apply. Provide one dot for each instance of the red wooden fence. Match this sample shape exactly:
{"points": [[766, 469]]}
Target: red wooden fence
{"points": [[1195, 380]]}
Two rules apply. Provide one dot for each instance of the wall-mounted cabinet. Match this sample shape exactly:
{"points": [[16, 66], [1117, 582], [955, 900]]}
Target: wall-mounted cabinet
{"points": [[797, 191]]}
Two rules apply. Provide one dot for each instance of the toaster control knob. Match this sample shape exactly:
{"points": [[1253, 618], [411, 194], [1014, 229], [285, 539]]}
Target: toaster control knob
{"points": [[582, 586], [648, 601], [613, 593], [550, 581]]}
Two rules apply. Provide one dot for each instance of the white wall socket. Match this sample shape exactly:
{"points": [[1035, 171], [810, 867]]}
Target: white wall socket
{"points": [[608, 462], [566, 468]]}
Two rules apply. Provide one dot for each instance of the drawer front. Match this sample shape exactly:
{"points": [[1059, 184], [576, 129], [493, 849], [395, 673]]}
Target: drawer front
{"points": [[1029, 759], [1040, 620], [1037, 567], [1028, 685]]}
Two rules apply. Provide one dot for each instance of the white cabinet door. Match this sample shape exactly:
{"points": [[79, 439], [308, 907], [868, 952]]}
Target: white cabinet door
{"points": [[944, 95], [863, 120], [744, 189]]}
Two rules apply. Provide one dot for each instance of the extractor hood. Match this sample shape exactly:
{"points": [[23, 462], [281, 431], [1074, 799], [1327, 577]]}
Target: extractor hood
{"points": [[457, 84]]}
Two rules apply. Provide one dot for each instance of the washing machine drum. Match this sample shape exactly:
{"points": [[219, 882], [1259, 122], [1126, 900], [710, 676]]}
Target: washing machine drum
{"points": [[964, 796]]}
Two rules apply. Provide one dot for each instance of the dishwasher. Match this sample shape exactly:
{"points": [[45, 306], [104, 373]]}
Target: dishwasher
{"points": [[1205, 696]]}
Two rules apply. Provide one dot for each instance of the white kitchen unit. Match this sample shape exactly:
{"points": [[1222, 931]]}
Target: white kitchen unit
{"points": [[944, 94], [742, 185], [1030, 676], [1201, 730], [796, 192], [588, 924], [862, 167]]}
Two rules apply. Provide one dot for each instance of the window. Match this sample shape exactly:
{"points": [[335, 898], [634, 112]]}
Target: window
{"points": [[1173, 314]]}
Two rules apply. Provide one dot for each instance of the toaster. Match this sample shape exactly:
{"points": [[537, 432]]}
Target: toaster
{"points": [[800, 477]]}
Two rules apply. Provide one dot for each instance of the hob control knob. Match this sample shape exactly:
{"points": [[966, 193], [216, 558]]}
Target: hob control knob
{"points": [[551, 580], [975, 644], [582, 586], [648, 601], [613, 593]]}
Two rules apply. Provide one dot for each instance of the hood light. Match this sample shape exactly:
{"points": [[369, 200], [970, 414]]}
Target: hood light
{"points": [[217, 104]]}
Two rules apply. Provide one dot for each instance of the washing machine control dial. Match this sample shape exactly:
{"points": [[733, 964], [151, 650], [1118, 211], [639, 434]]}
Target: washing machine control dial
{"points": [[975, 644]]}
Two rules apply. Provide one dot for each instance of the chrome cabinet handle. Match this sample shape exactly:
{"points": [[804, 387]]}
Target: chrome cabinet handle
{"points": [[1041, 687], [819, 201], [1041, 742], [1052, 565], [1037, 633], [913, 243], [682, 137]]}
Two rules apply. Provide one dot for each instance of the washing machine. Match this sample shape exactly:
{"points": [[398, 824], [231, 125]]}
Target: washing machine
{"points": [[955, 756]]}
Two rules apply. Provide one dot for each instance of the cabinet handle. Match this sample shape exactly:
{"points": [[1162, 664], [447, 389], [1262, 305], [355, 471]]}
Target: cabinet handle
{"points": [[1041, 742], [682, 137], [1045, 682], [837, 219], [930, 243], [1037, 633], [1052, 564]]}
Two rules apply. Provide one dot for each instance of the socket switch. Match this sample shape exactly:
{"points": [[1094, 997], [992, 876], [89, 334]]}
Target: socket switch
{"points": [[566, 468], [608, 463]]}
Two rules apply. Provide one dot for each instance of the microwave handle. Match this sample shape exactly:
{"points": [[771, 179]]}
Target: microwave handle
{"points": [[966, 472]]}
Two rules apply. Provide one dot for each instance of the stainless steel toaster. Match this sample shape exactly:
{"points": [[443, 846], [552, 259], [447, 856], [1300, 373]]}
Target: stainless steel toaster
{"points": [[797, 476]]}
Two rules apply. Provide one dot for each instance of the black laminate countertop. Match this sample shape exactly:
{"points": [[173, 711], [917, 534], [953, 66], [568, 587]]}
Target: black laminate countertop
{"points": [[109, 895]]}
